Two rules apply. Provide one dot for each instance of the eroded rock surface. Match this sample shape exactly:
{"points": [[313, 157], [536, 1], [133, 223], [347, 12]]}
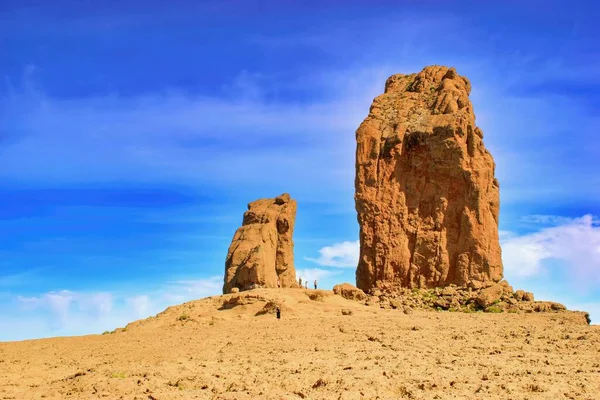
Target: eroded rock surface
{"points": [[492, 297], [349, 292], [262, 249], [426, 195]]}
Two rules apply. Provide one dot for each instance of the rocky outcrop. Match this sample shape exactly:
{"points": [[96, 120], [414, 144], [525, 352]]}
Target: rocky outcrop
{"points": [[426, 195], [349, 292], [491, 298], [262, 249]]}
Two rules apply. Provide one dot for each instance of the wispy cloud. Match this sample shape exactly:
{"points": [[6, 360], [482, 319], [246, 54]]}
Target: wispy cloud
{"points": [[342, 255], [559, 261], [68, 312], [553, 220], [575, 242], [170, 136], [320, 275]]}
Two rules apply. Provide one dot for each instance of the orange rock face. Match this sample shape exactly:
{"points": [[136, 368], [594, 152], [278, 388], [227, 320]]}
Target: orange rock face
{"points": [[262, 249], [426, 195]]}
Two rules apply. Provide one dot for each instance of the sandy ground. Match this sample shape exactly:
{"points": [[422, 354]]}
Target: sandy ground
{"points": [[196, 351]]}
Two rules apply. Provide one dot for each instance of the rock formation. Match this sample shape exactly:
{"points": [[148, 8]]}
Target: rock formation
{"points": [[262, 249], [426, 195], [349, 292], [491, 298]]}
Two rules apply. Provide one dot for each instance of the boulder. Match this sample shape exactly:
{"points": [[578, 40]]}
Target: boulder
{"points": [[475, 285], [349, 292], [528, 296], [262, 249], [507, 288], [442, 303], [489, 296], [519, 295], [545, 306], [426, 196], [269, 308], [395, 303]]}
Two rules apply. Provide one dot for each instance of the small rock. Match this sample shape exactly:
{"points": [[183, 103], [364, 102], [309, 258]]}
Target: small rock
{"points": [[444, 304], [475, 285], [408, 310], [454, 303], [235, 290], [346, 311], [395, 303]]}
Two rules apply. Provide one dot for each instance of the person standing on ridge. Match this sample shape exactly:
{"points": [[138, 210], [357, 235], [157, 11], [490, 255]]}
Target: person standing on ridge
{"points": [[306, 284], [278, 313], [315, 284], [300, 282]]}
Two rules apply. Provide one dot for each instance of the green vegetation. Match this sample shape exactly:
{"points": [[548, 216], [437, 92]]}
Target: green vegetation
{"points": [[183, 317], [493, 309], [469, 309]]}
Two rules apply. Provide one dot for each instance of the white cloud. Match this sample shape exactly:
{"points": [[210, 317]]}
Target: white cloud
{"points": [[550, 219], [312, 274], [65, 312], [197, 287], [342, 255], [139, 305], [575, 243]]}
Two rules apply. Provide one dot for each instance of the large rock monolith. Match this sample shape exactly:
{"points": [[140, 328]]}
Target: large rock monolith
{"points": [[262, 249], [426, 195]]}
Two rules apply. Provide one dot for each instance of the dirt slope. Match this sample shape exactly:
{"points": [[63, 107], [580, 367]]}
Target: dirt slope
{"points": [[203, 350]]}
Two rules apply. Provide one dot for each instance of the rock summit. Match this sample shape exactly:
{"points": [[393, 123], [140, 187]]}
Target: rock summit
{"points": [[426, 196], [262, 249]]}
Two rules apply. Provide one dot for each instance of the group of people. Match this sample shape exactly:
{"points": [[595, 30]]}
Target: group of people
{"points": [[299, 283], [306, 283]]}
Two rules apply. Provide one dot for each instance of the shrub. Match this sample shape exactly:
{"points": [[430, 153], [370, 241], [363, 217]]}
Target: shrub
{"points": [[493, 309], [183, 317]]}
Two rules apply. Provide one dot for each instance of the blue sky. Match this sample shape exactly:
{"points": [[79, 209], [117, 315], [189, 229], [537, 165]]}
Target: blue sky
{"points": [[133, 134]]}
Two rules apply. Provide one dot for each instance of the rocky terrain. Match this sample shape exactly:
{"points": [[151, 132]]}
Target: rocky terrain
{"points": [[489, 298], [323, 347], [426, 195], [262, 249]]}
